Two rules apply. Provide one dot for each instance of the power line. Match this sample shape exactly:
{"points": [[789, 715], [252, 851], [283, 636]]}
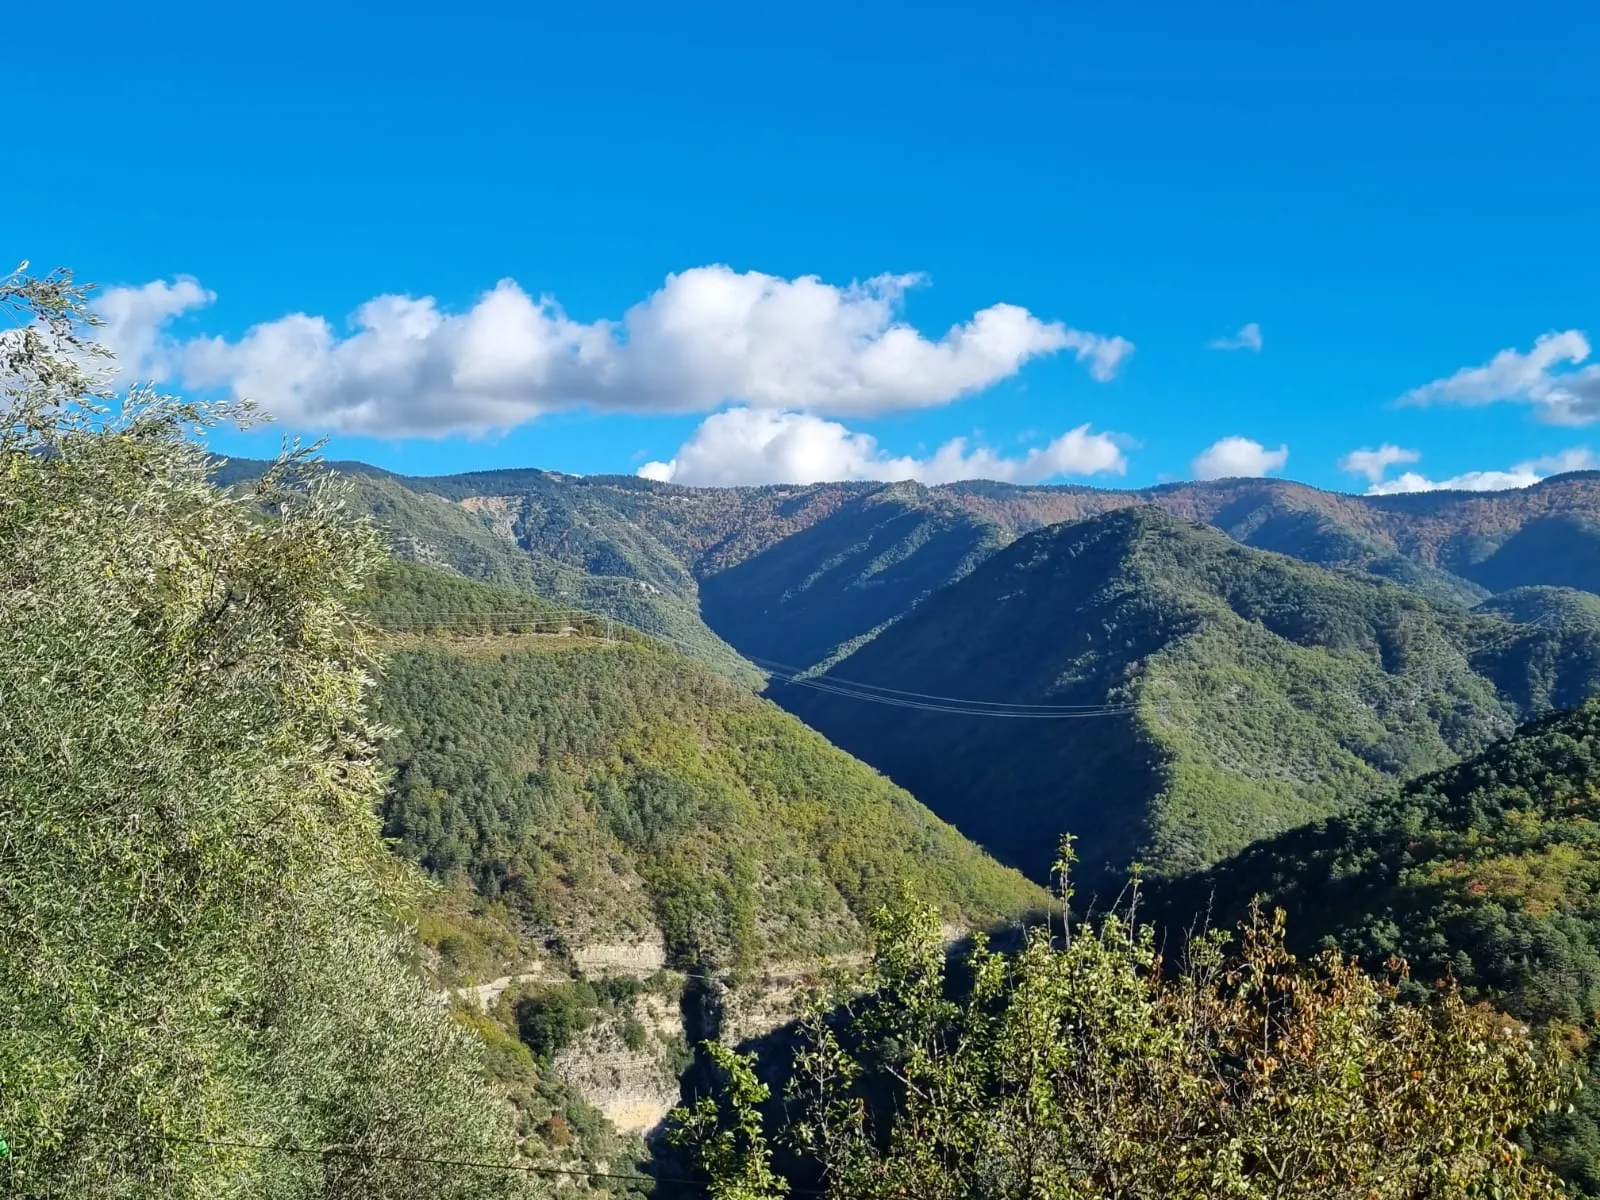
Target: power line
{"points": [[922, 701], [962, 710], [416, 1159], [797, 674], [787, 673], [480, 612]]}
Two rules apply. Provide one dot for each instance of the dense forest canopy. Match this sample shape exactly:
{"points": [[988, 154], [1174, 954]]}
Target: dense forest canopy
{"points": [[611, 787]]}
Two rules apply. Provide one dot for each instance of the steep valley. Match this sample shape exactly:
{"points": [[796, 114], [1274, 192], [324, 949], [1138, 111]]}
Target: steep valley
{"points": [[627, 837], [1230, 721], [633, 852], [1249, 692]]}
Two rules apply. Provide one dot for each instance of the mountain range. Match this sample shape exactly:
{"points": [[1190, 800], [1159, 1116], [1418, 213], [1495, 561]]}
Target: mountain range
{"points": [[798, 574], [1170, 673]]}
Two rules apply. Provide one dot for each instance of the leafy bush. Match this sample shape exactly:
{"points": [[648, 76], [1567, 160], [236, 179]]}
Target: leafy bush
{"points": [[549, 1017], [1085, 1070]]}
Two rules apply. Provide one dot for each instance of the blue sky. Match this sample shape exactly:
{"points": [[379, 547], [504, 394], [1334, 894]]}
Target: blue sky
{"points": [[1391, 194]]}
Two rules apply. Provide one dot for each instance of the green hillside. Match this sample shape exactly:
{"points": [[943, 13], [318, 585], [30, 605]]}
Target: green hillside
{"points": [[1489, 871], [799, 574], [1552, 663], [1253, 692], [485, 537], [601, 789]]}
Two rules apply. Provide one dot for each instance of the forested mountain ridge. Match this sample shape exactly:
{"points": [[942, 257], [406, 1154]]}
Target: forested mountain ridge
{"points": [[1488, 871], [1248, 692], [795, 573], [624, 574]]}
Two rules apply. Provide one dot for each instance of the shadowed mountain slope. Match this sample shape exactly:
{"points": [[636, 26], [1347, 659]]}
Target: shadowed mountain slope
{"points": [[1250, 692]]}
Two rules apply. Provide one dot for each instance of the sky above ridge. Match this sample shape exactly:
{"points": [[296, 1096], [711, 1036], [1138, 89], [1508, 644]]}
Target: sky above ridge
{"points": [[1120, 244]]}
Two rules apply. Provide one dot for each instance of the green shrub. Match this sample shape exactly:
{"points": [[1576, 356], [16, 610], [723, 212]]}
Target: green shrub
{"points": [[633, 1034], [548, 1018]]}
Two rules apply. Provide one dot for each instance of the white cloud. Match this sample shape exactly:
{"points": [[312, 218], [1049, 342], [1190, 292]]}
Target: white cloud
{"points": [[1560, 398], [1374, 463], [1578, 458], [707, 337], [134, 318], [1524, 474], [1248, 338], [1237, 457], [753, 446]]}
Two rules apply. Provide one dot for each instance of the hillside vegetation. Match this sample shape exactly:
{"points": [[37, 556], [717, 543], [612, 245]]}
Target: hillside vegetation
{"points": [[1553, 661], [1488, 872], [1093, 1068], [615, 789], [1250, 692]]}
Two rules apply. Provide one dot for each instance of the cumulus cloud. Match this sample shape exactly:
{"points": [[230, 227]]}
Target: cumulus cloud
{"points": [[1248, 338], [1524, 474], [1237, 457], [709, 336], [744, 446], [1558, 397], [1374, 464], [135, 318]]}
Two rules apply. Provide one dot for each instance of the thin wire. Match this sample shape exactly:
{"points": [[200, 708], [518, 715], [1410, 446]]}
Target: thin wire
{"points": [[480, 612], [787, 670], [928, 702], [959, 705], [798, 673], [424, 1160], [849, 689], [956, 710]]}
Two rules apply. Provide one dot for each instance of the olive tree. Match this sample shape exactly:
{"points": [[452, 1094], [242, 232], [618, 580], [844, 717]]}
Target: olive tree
{"points": [[204, 988]]}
